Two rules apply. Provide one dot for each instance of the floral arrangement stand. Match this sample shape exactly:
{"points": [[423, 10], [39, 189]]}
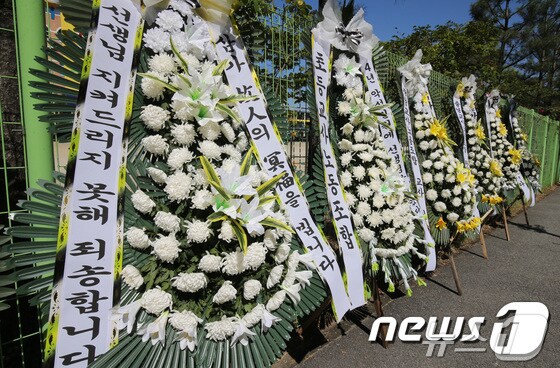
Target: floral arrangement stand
{"points": [[504, 217]]}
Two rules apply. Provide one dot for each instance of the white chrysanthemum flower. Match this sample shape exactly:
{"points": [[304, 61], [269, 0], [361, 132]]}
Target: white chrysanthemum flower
{"points": [[446, 193], [225, 293], [228, 132], [378, 200], [270, 238], [438, 178], [275, 276], [190, 282], [424, 145], [427, 178], [162, 63], [221, 330], [363, 209], [155, 301], [198, 231], [350, 199], [166, 248], [276, 301], [431, 195], [137, 238], [179, 157], [210, 263], [132, 277], [359, 172], [366, 156], [440, 206], [178, 186], [345, 145], [142, 202], [345, 159], [157, 175], [427, 164], [210, 131], [364, 191], [282, 253], [456, 202], [388, 233], [210, 150], [226, 232], [344, 108], [152, 88], [366, 234], [202, 199], [453, 217], [374, 219], [169, 20], [155, 144], [154, 117], [184, 134], [251, 288], [347, 129], [156, 39], [167, 222], [232, 263], [457, 190], [255, 256], [186, 322], [254, 316]]}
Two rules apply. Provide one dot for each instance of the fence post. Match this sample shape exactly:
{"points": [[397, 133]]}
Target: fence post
{"points": [[31, 39], [544, 158], [556, 176], [530, 140]]}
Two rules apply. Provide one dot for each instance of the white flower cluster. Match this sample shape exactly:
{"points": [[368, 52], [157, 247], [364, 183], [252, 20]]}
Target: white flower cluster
{"points": [[529, 164], [450, 187], [207, 240], [487, 171], [509, 157], [375, 191]]}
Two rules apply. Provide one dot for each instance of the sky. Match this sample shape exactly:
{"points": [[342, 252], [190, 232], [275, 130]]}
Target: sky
{"points": [[398, 17]]}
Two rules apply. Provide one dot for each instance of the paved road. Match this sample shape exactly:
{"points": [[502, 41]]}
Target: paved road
{"points": [[527, 268]]}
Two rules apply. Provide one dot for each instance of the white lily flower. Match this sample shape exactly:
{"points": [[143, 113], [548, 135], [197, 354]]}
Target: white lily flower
{"points": [[127, 316], [252, 215], [303, 277], [268, 319], [236, 184], [242, 334], [293, 292], [155, 331]]}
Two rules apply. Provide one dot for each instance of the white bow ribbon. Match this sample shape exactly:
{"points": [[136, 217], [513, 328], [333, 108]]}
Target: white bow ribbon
{"points": [[357, 36], [415, 73]]}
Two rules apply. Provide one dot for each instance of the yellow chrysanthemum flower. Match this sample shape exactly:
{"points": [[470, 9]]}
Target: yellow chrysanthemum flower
{"points": [[464, 175], [524, 137], [438, 130], [425, 99], [496, 168], [472, 103], [499, 114], [441, 224], [479, 132], [502, 129], [461, 89], [515, 156]]}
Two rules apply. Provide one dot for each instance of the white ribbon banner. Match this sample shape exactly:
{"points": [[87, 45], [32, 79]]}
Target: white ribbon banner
{"points": [[82, 300], [275, 161], [419, 207], [487, 106], [528, 192], [342, 219], [461, 117]]}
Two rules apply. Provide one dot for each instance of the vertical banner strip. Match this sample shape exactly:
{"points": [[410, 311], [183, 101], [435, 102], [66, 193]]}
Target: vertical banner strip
{"points": [[89, 247], [461, 117], [487, 106], [342, 220], [419, 207], [528, 194], [255, 114]]}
